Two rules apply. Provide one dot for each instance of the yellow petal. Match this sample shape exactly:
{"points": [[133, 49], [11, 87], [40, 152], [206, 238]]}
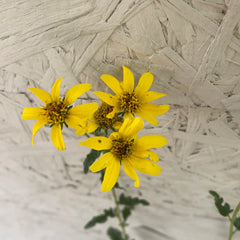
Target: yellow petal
{"points": [[79, 114], [147, 154], [107, 98], [74, 92], [144, 83], [126, 123], [92, 126], [145, 166], [57, 138], [111, 174], [151, 96], [102, 162], [149, 141], [130, 127], [74, 121], [147, 116], [32, 113], [55, 89], [114, 135], [154, 109], [83, 111], [117, 125], [112, 83], [41, 94], [81, 130], [128, 115], [115, 110], [37, 126], [97, 143], [128, 80], [148, 112], [129, 170]]}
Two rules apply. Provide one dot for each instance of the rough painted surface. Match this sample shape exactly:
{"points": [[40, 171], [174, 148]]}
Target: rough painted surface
{"points": [[193, 49]]}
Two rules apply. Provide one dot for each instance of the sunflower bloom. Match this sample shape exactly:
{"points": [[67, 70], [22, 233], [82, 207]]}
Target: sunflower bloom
{"points": [[125, 148], [99, 120], [57, 111], [132, 101]]}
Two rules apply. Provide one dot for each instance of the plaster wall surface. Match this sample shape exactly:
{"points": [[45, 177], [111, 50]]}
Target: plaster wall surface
{"points": [[193, 49]]}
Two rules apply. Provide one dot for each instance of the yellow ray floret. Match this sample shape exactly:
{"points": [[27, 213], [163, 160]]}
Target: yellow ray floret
{"points": [[126, 149], [132, 101], [57, 111], [99, 120]]}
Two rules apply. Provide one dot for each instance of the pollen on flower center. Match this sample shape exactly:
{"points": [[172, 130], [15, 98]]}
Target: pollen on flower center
{"points": [[56, 112], [101, 116], [122, 148], [129, 102]]}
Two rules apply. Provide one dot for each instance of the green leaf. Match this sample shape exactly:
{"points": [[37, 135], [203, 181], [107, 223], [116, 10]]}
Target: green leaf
{"points": [[225, 209], [129, 201], [237, 223], [110, 212], [114, 234], [90, 159], [97, 219], [100, 218], [126, 212]]}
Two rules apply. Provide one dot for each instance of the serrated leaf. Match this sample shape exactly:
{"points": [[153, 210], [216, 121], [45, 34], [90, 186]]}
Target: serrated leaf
{"points": [[100, 218], [237, 223], [114, 234], [126, 212], [97, 219], [110, 212], [225, 209], [129, 201], [90, 159], [214, 194]]}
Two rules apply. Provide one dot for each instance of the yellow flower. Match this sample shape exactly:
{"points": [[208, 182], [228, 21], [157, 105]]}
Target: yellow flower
{"points": [[57, 111], [99, 119], [132, 101], [124, 147]]}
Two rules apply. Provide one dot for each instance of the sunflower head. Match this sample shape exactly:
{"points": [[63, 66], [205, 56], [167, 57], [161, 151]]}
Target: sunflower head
{"points": [[122, 148], [101, 116], [126, 149], [56, 112], [129, 102]]}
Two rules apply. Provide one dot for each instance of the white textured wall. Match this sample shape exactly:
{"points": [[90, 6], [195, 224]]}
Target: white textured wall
{"points": [[193, 49]]}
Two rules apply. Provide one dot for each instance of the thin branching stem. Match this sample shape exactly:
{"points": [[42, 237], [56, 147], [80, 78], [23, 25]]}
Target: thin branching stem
{"points": [[231, 232], [118, 214], [87, 135]]}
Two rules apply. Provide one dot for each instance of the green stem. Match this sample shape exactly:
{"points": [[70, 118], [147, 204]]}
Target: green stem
{"points": [[87, 135], [118, 214], [231, 232]]}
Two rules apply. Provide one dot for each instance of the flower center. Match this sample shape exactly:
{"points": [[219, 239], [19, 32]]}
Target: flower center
{"points": [[129, 102], [122, 148], [101, 116], [56, 112]]}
